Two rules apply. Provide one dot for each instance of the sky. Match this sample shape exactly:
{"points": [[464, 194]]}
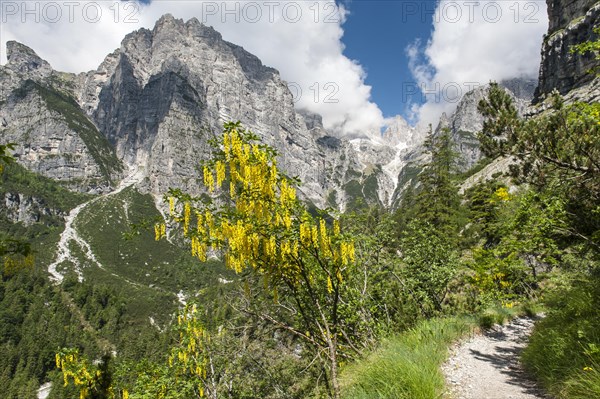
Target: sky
{"points": [[356, 62]]}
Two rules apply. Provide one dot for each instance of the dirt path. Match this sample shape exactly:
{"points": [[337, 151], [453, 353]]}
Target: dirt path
{"points": [[487, 366]]}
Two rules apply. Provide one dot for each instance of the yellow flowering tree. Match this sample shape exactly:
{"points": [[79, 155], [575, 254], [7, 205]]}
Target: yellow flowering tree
{"points": [[252, 216], [88, 378], [186, 375]]}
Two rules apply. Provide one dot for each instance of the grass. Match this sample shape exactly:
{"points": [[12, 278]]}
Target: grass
{"points": [[564, 349], [502, 314], [407, 366]]}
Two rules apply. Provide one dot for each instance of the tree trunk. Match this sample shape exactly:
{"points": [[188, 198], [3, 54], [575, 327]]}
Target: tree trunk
{"points": [[335, 384]]}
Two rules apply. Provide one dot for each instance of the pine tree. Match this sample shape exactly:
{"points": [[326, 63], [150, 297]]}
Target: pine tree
{"points": [[437, 202]]}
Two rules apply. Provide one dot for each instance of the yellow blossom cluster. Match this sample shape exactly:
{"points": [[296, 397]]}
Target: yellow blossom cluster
{"points": [[501, 195], [14, 264], [77, 369], [266, 227], [160, 230], [188, 357]]}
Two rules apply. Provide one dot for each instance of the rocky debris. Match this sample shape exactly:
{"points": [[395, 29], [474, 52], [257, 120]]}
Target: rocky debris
{"points": [[44, 390], [498, 167], [487, 365], [70, 234]]}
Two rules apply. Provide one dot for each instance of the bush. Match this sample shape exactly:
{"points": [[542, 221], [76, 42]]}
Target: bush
{"points": [[564, 349]]}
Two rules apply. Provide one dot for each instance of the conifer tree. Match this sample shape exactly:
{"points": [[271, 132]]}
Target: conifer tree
{"points": [[437, 201]]}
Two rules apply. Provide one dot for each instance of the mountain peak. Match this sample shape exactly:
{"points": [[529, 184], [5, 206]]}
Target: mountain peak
{"points": [[166, 20], [193, 27], [22, 59]]}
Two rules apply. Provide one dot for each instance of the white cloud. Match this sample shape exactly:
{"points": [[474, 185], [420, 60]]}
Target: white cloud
{"points": [[474, 42], [301, 39]]}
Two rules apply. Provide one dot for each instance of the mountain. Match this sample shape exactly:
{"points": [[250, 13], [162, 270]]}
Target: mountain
{"points": [[153, 104], [571, 22], [55, 138], [97, 150]]}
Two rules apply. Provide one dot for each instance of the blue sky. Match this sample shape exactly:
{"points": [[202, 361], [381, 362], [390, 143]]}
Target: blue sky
{"points": [[379, 59], [377, 33]]}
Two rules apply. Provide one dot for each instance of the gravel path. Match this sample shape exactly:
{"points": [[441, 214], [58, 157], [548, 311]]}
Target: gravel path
{"points": [[487, 366]]}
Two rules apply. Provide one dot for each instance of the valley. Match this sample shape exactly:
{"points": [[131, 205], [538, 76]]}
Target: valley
{"points": [[174, 224]]}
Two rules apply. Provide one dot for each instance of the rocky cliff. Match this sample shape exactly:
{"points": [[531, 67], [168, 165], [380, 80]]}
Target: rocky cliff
{"points": [[154, 103], [571, 22], [54, 137]]}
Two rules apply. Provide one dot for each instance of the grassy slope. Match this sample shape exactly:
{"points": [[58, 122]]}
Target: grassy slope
{"points": [[43, 235], [148, 273], [406, 366]]}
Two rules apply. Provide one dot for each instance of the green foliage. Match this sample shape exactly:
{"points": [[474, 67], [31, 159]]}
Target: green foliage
{"points": [[18, 179], [430, 264], [5, 157], [554, 226], [589, 47], [498, 315], [34, 323], [382, 295], [485, 203], [406, 366], [497, 278], [564, 349], [437, 202], [558, 151]]}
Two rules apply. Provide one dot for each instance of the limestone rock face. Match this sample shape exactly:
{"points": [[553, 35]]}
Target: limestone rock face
{"points": [[154, 103], [27, 210], [53, 137], [571, 22], [24, 61], [166, 91]]}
